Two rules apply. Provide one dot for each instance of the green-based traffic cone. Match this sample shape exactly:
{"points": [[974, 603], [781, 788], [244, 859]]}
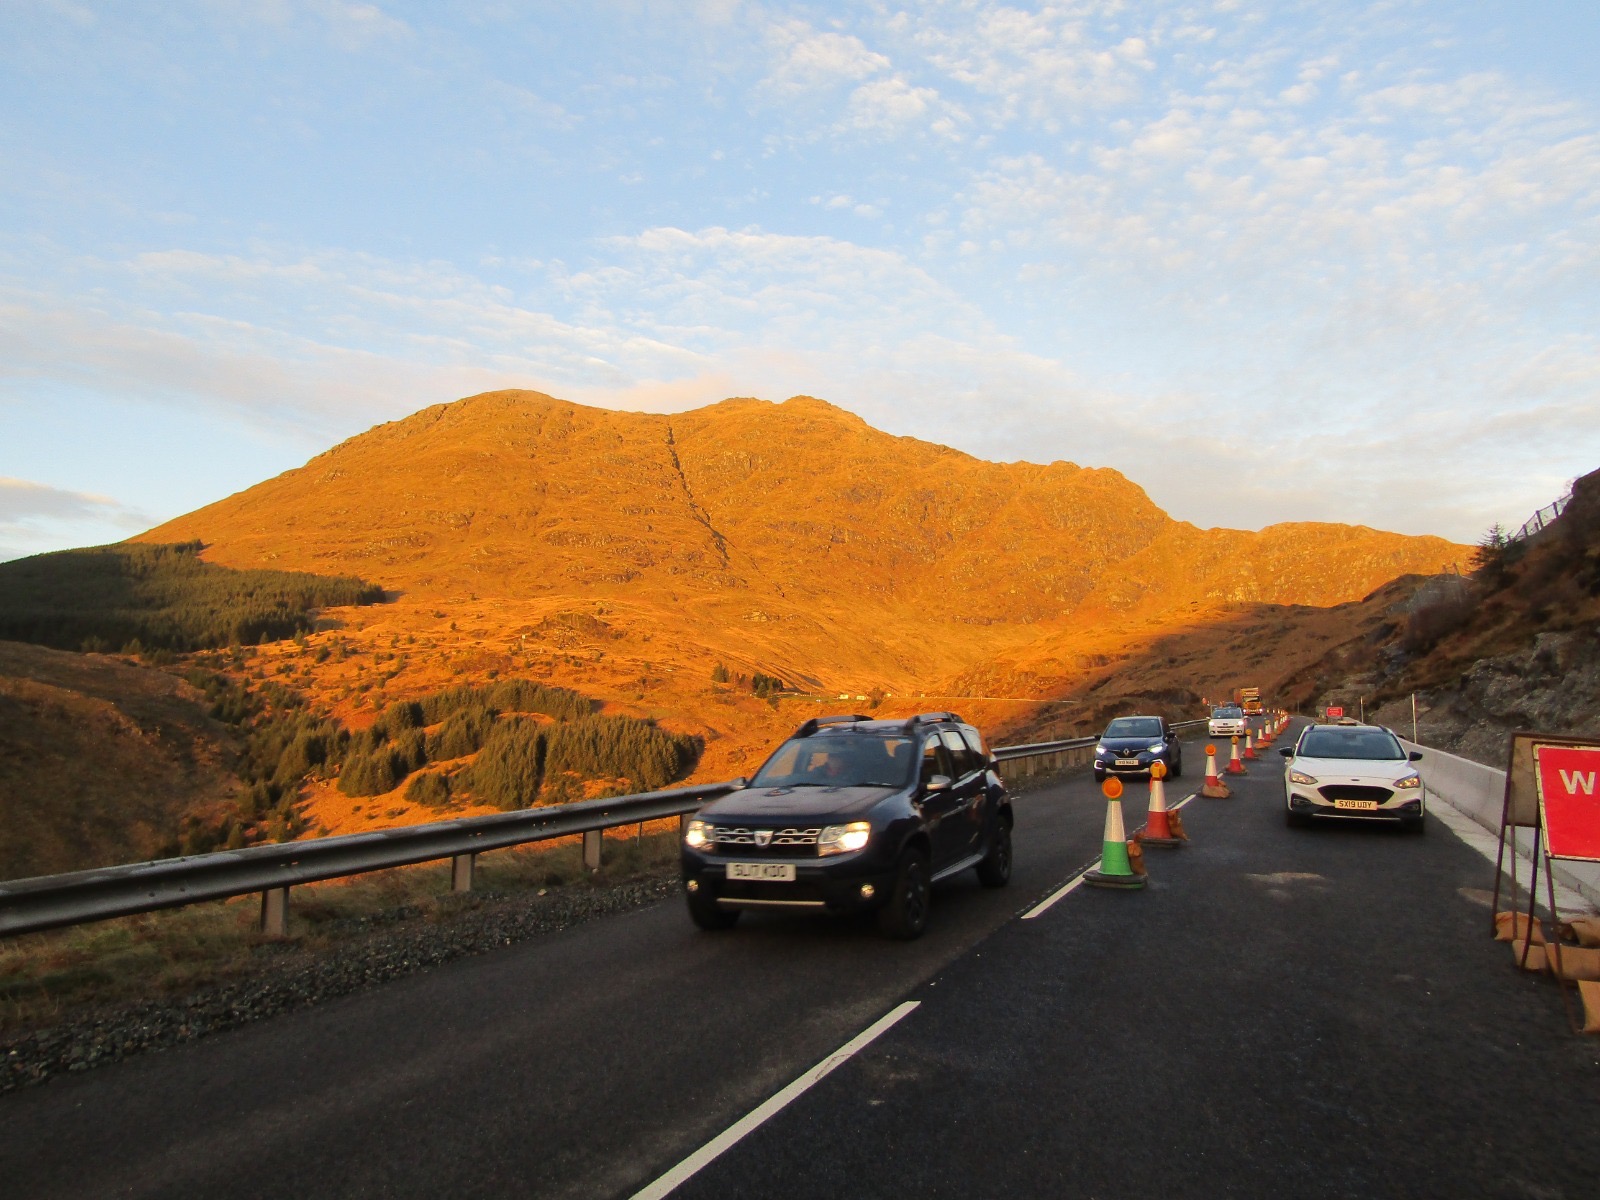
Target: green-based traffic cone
{"points": [[1116, 869]]}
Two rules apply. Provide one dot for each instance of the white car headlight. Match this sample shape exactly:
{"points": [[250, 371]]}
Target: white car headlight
{"points": [[1157, 747], [701, 835], [1409, 782], [842, 839], [1102, 751], [1301, 777]]}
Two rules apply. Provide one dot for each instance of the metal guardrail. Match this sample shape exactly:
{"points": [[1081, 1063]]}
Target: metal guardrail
{"points": [[76, 898]]}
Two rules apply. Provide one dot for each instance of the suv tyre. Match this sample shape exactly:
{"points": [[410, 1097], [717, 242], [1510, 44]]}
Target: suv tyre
{"points": [[905, 916], [708, 914], [994, 870]]}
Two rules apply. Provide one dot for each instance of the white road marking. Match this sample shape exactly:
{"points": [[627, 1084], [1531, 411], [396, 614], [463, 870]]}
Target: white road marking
{"points": [[1066, 889], [665, 1185], [1182, 802]]}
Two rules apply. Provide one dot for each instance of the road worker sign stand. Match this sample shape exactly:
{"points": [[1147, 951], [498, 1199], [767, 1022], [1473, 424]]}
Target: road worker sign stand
{"points": [[1553, 788]]}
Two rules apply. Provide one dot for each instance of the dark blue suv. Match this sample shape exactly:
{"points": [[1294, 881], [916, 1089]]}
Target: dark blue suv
{"points": [[1130, 745], [849, 814]]}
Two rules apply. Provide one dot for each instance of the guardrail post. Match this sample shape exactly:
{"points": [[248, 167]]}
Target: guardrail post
{"points": [[461, 868], [591, 850], [275, 912]]}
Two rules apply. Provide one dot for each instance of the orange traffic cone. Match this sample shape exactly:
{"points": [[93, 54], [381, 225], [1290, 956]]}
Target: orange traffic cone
{"points": [[1158, 827], [1235, 767], [1249, 745], [1214, 787]]}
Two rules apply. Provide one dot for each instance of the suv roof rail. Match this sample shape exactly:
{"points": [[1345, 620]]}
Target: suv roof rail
{"points": [[816, 723], [928, 718]]}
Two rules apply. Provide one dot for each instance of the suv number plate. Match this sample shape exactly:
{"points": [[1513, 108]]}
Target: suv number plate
{"points": [[1127, 762], [1358, 805], [769, 872]]}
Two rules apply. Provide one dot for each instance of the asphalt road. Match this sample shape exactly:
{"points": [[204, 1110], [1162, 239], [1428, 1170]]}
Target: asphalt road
{"points": [[572, 1065], [1281, 1013]]}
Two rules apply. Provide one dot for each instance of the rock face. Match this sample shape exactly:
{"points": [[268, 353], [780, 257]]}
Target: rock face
{"points": [[913, 556], [1515, 647]]}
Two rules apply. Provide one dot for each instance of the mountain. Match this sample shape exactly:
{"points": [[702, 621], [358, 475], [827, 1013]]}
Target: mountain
{"points": [[792, 536]]}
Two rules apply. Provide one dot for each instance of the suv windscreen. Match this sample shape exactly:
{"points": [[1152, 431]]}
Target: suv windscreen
{"points": [[839, 760], [1349, 743], [1134, 727]]}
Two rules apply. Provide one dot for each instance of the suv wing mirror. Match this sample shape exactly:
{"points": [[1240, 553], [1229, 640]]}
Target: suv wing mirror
{"points": [[1415, 756], [1287, 751], [939, 783]]}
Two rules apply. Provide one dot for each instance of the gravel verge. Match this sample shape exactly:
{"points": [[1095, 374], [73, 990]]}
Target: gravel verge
{"points": [[375, 949]]}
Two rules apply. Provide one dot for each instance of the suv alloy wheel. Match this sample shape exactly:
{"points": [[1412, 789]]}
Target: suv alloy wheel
{"points": [[906, 914]]}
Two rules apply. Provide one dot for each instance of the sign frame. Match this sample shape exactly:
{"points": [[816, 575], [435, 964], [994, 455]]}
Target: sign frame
{"points": [[1522, 807]]}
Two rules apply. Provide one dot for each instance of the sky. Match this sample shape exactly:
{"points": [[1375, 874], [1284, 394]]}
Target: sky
{"points": [[1284, 261]]}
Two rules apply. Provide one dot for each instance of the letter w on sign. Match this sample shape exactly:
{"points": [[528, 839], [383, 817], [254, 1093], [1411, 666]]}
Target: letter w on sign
{"points": [[1575, 781], [1568, 805]]}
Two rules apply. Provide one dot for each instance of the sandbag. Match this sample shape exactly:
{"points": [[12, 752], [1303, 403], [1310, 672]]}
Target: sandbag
{"points": [[1583, 930], [1509, 926], [1529, 958], [1573, 963]]}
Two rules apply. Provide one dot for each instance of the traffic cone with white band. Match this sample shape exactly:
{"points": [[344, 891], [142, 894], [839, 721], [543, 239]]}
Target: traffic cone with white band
{"points": [[1234, 767], [1249, 744], [1158, 824], [1116, 865], [1214, 787]]}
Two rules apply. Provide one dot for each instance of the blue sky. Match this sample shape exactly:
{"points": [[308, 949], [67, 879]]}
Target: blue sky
{"points": [[1273, 261]]}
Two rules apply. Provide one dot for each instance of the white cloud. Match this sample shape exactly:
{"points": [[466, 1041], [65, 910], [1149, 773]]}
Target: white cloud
{"points": [[804, 60], [35, 517]]}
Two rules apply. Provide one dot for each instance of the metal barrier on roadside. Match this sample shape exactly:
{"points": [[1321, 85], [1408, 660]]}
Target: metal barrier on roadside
{"points": [[79, 897]]}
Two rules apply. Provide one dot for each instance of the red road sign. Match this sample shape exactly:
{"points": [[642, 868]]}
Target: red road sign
{"points": [[1569, 798], [1335, 711]]}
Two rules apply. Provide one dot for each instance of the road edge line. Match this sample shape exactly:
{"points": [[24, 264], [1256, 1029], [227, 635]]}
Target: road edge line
{"points": [[1065, 889], [664, 1185], [1184, 801]]}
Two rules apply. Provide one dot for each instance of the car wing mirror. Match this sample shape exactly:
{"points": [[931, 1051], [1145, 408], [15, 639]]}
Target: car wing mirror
{"points": [[1287, 751], [1415, 756], [939, 783], [741, 782]]}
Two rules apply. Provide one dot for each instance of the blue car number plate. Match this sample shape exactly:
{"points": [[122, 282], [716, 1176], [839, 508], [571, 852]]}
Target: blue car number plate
{"points": [[1127, 762]]}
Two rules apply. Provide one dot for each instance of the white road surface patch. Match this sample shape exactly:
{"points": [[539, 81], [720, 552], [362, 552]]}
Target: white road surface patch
{"points": [[753, 1120]]}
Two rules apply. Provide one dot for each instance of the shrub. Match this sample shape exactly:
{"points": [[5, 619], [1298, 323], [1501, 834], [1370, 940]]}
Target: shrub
{"points": [[509, 768], [430, 789], [463, 732]]}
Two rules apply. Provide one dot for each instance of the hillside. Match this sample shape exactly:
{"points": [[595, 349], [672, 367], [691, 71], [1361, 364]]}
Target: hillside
{"points": [[101, 760], [1514, 646], [723, 573], [791, 536]]}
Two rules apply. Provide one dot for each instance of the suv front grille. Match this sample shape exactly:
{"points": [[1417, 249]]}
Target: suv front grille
{"points": [[1355, 791], [793, 841]]}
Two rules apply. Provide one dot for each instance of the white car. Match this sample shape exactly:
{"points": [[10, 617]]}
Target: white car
{"points": [[1353, 772], [1227, 721]]}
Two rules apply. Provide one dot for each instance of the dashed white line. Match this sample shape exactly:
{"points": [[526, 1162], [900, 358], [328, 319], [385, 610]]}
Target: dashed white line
{"points": [[757, 1117], [1063, 890], [1184, 801]]}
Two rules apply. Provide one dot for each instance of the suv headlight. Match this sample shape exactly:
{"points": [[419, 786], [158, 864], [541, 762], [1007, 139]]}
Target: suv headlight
{"points": [[701, 835], [1102, 751], [842, 839], [1409, 782], [1157, 747], [1301, 777]]}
